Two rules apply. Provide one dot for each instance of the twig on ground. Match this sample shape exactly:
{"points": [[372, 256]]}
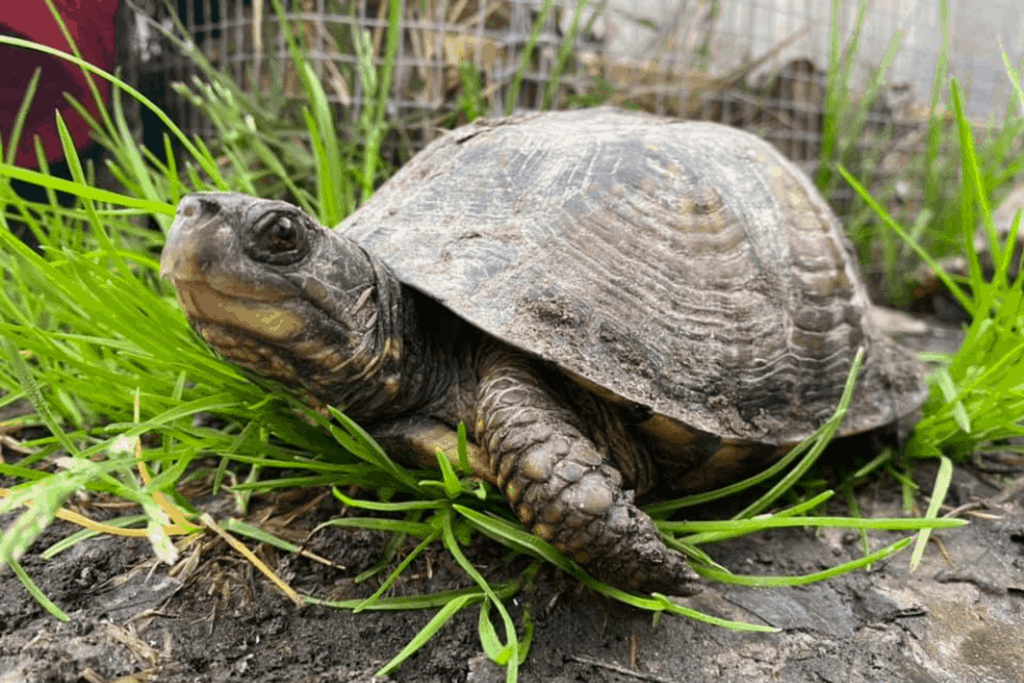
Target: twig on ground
{"points": [[619, 669]]}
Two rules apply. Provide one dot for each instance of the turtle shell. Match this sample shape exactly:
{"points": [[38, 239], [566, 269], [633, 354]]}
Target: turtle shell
{"points": [[684, 267]]}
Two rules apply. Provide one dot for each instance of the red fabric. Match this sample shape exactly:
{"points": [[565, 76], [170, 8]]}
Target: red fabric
{"points": [[91, 25]]}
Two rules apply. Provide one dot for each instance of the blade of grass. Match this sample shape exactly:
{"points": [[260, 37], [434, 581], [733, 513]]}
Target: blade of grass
{"points": [[36, 593], [83, 190], [414, 602], [934, 135], [777, 581], [827, 432], [210, 169], [423, 636], [975, 193], [14, 135], [491, 643], [389, 506], [359, 443], [564, 50], [448, 535], [940, 272], [380, 128], [745, 526], [524, 61], [840, 66], [34, 394], [402, 566], [939, 490]]}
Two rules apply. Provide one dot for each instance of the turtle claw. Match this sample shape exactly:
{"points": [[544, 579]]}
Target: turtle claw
{"points": [[642, 562]]}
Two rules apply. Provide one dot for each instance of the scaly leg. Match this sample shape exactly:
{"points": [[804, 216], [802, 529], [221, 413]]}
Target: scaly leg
{"points": [[561, 486]]}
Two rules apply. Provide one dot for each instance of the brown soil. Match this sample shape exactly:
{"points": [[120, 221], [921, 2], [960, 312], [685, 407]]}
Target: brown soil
{"points": [[957, 618]]}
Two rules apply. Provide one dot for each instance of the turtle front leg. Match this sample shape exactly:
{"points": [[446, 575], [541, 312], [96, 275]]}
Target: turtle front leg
{"points": [[561, 486]]}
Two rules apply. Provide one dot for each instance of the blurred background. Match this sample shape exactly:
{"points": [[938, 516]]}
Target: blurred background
{"points": [[829, 82], [757, 64]]}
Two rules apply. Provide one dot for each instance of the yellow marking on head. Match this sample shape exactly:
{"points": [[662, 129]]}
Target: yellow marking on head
{"points": [[392, 385], [271, 322], [547, 532], [268, 321], [318, 352]]}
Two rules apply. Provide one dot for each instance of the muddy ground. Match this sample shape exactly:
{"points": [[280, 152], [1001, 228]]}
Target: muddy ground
{"points": [[958, 618]]}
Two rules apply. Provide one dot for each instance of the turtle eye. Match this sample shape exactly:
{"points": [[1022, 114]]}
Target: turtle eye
{"points": [[282, 235], [279, 238]]}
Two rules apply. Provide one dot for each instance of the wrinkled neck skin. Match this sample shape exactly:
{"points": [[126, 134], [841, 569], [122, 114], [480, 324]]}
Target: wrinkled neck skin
{"points": [[369, 353]]}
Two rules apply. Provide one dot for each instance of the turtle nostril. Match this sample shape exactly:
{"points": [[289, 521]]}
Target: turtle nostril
{"points": [[188, 207], [196, 206]]}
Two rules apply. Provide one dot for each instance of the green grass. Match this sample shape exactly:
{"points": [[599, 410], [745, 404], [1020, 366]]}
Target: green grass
{"points": [[94, 341], [945, 204]]}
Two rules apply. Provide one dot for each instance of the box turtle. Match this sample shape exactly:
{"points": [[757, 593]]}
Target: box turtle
{"points": [[608, 300]]}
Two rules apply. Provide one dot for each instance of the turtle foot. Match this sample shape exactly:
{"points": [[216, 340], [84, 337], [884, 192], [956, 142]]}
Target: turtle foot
{"points": [[627, 551]]}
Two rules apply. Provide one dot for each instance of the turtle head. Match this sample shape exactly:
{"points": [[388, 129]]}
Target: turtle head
{"points": [[276, 292]]}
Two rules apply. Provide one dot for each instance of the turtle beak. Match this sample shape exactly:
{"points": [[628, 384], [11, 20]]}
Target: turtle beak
{"points": [[199, 237]]}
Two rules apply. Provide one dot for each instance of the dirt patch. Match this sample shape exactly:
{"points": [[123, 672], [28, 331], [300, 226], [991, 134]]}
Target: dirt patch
{"points": [[958, 618]]}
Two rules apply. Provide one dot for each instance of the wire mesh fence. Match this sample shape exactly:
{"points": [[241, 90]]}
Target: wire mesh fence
{"points": [[758, 64]]}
